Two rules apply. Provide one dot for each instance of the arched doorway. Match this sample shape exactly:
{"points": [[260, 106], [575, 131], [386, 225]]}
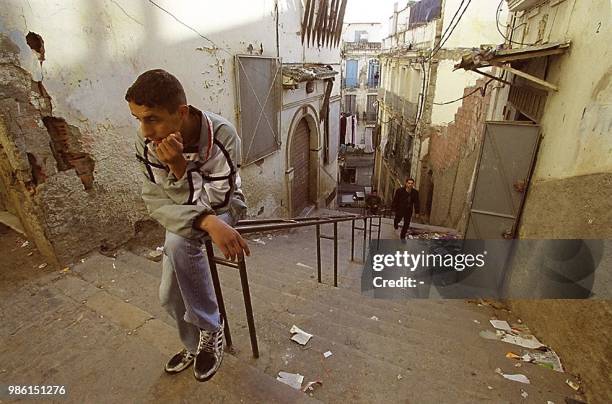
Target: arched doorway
{"points": [[299, 155]]}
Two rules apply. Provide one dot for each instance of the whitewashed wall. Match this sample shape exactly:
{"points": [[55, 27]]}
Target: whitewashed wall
{"points": [[96, 49]]}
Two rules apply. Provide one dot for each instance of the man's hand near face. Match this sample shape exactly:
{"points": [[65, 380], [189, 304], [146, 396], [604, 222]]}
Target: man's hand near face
{"points": [[170, 152], [224, 236]]}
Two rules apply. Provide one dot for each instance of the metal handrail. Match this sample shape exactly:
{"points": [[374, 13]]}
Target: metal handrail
{"points": [[259, 225]]}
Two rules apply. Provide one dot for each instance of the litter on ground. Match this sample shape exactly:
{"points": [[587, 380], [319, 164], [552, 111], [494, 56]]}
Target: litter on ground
{"points": [[155, 255], [516, 377], [310, 385], [327, 354], [291, 379], [573, 385], [547, 359], [501, 325], [512, 355], [299, 264], [299, 335], [513, 337]]}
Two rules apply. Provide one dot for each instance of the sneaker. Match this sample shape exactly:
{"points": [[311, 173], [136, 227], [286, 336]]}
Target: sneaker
{"points": [[210, 353], [179, 362]]}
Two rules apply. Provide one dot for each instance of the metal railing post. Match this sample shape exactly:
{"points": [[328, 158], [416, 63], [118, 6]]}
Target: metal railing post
{"points": [[352, 240], [378, 238], [246, 294], [217, 285], [319, 253], [365, 235], [335, 254], [252, 226]]}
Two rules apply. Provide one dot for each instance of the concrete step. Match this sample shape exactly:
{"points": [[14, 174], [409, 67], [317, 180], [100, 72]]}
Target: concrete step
{"points": [[122, 296], [436, 342], [374, 351], [69, 343], [292, 282], [352, 347]]}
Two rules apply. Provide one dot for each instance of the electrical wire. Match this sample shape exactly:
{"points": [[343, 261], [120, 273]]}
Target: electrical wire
{"points": [[442, 42], [482, 90], [423, 99], [444, 38], [191, 28], [497, 24], [450, 24]]}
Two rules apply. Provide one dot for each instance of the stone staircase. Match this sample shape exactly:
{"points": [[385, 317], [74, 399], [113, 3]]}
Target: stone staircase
{"points": [[410, 351]]}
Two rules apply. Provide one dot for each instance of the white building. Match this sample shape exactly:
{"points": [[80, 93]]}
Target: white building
{"points": [[361, 45], [426, 39], [229, 61]]}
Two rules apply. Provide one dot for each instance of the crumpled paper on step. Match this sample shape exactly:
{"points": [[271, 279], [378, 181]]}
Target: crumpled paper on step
{"points": [[300, 336], [516, 378], [291, 379]]}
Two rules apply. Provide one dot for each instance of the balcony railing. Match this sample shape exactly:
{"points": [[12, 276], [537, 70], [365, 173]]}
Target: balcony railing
{"points": [[398, 104], [362, 46], [409, 110], [370, 116]]}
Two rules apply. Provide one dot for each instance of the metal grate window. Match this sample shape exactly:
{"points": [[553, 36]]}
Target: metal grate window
{"points": [[350, 103], [259, 101]]}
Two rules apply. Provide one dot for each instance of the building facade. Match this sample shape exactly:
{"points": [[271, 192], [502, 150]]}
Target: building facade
{"points": [[68, 169], [529, 157], [425, 40], [361, 45]]}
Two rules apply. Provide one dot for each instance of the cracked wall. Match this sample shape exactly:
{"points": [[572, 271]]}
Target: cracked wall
{"points": [[49, 169]]}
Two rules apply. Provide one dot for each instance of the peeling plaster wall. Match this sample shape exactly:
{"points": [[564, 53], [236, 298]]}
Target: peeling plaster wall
{"points": [[577, 119], [56, 207], [576, 148], [569, 193], [95, 50]]}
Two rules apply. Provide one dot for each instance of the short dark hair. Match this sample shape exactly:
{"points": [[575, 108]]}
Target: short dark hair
{"points": [[157, 88], [409, 179]]}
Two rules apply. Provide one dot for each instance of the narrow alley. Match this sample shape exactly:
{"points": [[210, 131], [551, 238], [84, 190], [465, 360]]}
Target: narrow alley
{"points": [[292, 201], [115, 334]]}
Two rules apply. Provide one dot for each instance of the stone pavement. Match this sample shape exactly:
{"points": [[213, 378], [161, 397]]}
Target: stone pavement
{"points": [[99, 330]]}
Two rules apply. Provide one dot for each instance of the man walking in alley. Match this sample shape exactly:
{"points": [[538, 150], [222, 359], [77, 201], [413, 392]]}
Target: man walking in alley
{"points": [[190, 159], [404, 200]]}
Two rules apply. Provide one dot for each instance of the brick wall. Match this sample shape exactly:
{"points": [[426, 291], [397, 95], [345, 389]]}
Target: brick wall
{"points": [[450, 143], [452, 156]]}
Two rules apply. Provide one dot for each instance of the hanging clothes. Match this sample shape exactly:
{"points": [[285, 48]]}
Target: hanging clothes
{"points": [[342, 129]]}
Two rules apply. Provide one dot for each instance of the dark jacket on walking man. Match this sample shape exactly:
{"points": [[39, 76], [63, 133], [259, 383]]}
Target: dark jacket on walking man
{"points": [[405, 199]]}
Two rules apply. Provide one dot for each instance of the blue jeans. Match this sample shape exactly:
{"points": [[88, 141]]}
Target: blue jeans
{"points": [[186, 289]]}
